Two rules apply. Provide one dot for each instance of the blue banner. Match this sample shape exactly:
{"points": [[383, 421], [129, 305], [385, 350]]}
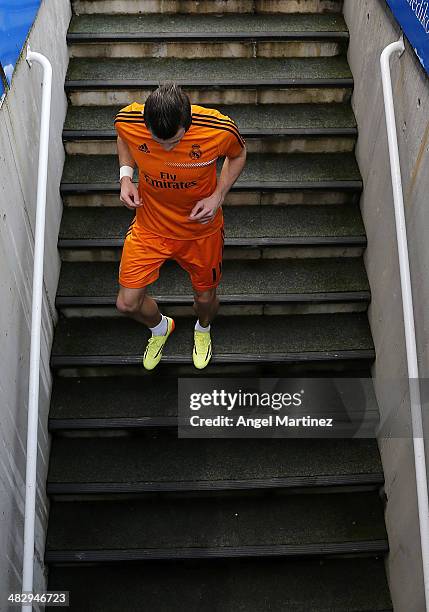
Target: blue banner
{"points": [[413, 17], [16, 19]]}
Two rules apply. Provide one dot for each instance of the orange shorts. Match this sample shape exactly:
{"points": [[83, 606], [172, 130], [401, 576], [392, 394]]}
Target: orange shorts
{"points": [[144, 253]]}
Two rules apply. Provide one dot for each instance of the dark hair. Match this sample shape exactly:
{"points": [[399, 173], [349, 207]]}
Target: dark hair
{"points": [[166, 110]]}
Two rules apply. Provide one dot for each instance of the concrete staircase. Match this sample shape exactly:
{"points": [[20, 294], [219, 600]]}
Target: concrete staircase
{"points": [[142, 520]]}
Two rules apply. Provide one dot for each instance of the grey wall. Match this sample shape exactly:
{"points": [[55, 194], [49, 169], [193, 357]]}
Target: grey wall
{"points": [[372, 27], [19, 141]]}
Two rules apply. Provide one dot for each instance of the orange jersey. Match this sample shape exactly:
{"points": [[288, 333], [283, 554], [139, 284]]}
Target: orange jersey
{"points": [[172, 182]]}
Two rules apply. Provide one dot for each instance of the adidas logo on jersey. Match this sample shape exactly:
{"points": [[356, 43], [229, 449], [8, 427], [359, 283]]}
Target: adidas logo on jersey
{"points": [[144, 148]]}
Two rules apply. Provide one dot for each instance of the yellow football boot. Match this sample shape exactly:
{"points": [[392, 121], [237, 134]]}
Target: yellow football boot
{"points": [[155, 344], [202, 352]]}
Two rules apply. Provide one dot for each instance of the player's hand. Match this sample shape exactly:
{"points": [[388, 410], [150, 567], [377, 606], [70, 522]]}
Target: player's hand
{"points": [[205, 210], [129, 194]]}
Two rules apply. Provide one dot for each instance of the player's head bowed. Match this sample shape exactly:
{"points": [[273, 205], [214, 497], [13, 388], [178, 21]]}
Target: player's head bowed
{"points": [[167, 111]]}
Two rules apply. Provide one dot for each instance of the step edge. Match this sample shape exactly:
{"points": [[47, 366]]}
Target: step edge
{"points": [[353, 185], [68, 423], [101, 84], [218, 485], [366, 546], [312, 298], [183, 36], [357, 240], [86, 134], [58, 361]]}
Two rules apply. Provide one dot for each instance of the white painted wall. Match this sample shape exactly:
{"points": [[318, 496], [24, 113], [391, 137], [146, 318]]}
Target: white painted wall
{"points": [[372, 27], [19, 141]]}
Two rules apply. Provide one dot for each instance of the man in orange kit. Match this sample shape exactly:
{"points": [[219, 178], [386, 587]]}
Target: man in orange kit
{"points": [[178, 206]]}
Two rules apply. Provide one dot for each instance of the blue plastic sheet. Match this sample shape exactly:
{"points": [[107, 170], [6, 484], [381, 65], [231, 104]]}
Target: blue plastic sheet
{"points": [[16, 19], [413, 17]]}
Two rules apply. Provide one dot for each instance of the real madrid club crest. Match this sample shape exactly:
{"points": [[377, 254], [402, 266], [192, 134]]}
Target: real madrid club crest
{"points": [[195, 152]]}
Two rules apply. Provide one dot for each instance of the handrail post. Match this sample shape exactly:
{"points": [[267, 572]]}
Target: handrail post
{"points": [[36, 319], [408, 311]]}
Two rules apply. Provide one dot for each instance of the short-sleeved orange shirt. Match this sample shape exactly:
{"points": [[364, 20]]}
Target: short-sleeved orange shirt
{"points": [[172, 182]]}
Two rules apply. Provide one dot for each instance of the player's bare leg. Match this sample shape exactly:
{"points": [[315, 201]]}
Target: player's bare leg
{"points": [[136, 304], [206, 305]]}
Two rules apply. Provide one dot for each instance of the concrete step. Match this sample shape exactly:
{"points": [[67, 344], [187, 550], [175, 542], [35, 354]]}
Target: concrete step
{"points": [[95, 403], [96, 122], [217, 7], [242, 282], [215, 527], [335, 585], [211, 80], [251, 232], [329, 172], [328, 338], [268, 128], [236, 197], [264, 286], [159, 461], [199, 36]]}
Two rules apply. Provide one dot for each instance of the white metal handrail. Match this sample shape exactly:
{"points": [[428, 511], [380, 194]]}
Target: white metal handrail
{"points": [[407, 306], [36, 321]]}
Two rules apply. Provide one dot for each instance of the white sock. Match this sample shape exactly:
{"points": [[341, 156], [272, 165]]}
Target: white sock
{"points": [[161, 328], [200, 328]]}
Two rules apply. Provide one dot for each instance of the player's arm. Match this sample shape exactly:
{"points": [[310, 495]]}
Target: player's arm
{"points": [[129, 193], [205, 210], [231, 170]]}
